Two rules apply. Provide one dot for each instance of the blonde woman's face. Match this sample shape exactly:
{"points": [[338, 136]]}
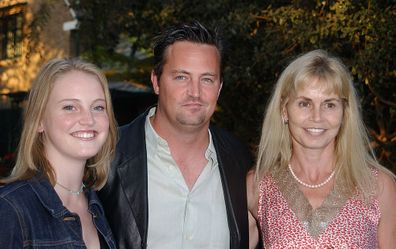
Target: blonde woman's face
{"points": [[314, 117], [75, 123]]}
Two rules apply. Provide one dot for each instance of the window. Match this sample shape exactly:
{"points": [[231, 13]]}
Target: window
{"points": [[11, 21]]}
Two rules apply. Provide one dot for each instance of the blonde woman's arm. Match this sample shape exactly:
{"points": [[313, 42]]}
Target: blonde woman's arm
{"points": [[252, 198], [387, 202]]}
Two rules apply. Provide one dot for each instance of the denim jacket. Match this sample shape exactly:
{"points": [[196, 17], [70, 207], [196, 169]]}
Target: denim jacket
{"points": [[32, 216]]}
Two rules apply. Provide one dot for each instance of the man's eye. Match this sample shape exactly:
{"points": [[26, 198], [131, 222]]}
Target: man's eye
{"points": [[180, 77], [207, 80]]}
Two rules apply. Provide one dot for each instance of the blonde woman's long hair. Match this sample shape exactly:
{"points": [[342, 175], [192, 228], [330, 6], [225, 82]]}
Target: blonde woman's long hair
{"points": [[31, 158], [354, 157]]}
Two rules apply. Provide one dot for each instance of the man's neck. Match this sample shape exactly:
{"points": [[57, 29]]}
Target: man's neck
{"points": [[183, 136], [187, 147]]}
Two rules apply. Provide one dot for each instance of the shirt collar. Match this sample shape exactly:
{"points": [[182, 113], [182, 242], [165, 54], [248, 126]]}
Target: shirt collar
{"points": [[153, 140], [210, 151]]}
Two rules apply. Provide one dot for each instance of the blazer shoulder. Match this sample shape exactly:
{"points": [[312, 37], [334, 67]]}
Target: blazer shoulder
{"points": [[228, 143], [223, 135], [131, 136], [226, 139], [131, 145]]}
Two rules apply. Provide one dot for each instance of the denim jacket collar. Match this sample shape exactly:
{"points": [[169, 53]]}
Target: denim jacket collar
{"points": [[50, 200]]}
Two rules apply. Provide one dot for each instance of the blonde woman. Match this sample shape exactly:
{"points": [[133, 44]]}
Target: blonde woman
{"points": [[317, 183], [67, 142]]}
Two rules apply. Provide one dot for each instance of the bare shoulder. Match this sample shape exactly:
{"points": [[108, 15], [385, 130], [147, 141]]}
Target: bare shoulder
{"points": [[387, 185], [251, 182], [387, 202], [250, 178], [252, 196], [252, 192], [387, 193]]}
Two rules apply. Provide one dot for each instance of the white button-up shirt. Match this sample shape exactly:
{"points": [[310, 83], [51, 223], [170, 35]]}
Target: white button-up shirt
{"points": [[180, 218]]}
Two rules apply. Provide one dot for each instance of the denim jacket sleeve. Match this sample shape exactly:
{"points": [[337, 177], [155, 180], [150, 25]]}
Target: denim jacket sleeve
{"points": [[11, 231]]}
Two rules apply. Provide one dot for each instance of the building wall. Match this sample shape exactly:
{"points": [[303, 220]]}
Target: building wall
{"points": [[39, 44]]}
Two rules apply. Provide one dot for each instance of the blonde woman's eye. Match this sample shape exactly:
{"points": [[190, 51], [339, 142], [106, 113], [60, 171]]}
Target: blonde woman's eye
{"points": [[303, 104], [330, 105]]}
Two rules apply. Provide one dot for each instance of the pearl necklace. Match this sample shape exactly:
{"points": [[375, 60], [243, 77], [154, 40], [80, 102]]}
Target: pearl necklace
{"points": [[311, 185], [78, 192]]}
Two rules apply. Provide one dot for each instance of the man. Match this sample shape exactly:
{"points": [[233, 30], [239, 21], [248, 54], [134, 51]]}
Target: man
{"points": [[176, 181]]}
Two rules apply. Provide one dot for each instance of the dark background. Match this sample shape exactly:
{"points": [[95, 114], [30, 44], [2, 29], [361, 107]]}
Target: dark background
{"points": [[263, 37]]}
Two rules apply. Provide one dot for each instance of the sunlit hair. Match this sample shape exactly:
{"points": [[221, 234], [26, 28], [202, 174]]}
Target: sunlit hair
{"points": [[31, 157], [354, 157], [193, 32]]}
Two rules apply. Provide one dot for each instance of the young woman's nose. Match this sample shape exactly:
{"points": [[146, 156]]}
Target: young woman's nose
{"points": [[87, 117]]}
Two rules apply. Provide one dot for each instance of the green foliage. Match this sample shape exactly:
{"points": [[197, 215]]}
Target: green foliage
{"points": [[363, 34], [263, 37], [36, 26]]}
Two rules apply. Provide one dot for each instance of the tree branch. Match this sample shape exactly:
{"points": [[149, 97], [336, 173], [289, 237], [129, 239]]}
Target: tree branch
{"points": [[381, 99]]}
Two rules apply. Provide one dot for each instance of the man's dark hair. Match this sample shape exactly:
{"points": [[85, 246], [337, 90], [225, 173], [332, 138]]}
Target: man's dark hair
{"points": [[192, 32]]}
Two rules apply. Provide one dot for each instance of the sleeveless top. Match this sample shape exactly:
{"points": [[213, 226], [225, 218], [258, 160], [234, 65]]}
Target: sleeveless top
{"points": [[287, 220]]}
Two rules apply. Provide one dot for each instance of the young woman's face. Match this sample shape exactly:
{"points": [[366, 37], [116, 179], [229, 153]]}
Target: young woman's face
{"points": [[75, 122], [314, 116]]}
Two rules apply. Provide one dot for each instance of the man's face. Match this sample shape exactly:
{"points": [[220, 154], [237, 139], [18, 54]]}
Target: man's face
{"points": [[189, 85]]}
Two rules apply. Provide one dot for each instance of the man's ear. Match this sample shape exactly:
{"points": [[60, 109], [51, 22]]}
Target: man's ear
{"points": [[221, 86], [154, 82]]}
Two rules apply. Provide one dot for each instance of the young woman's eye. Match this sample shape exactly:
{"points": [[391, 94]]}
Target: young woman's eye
{"points": [[68, 108], [100, 108]]}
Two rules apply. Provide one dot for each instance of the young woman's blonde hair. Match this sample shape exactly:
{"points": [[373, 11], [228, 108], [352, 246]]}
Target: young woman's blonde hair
{"points": [[31, 158], [354, 157]]}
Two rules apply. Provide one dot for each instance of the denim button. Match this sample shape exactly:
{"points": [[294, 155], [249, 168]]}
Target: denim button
{"points": [[69, 218]]}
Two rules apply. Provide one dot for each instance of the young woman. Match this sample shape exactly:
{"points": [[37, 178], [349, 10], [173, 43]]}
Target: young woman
{"points": [[67, 141], [316, 183]]}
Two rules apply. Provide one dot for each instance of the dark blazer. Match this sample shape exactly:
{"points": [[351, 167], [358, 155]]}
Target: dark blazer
{"points": [[124, 196]]}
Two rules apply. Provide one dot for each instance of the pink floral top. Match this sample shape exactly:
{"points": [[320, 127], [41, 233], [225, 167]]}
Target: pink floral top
{"points": [[287, 220]]}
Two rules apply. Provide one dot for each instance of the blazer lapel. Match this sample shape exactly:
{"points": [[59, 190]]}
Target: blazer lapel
{"points": [[224, 159], [133, 174], [134, 183]]}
